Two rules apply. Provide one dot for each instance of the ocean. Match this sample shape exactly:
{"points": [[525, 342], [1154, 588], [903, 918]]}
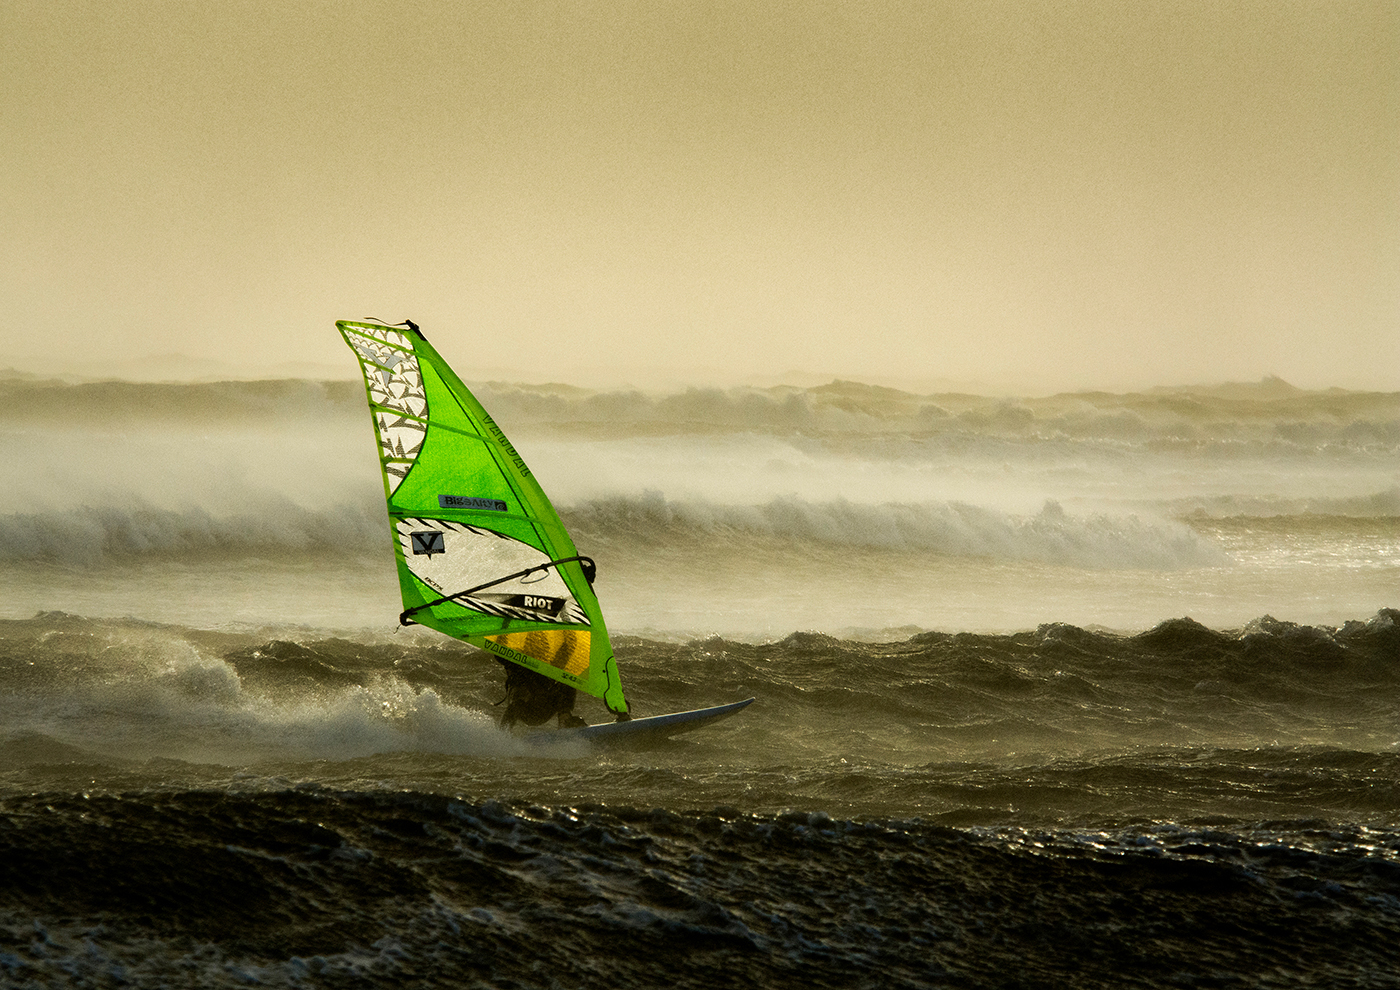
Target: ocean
{"points": [[1087, 690]]}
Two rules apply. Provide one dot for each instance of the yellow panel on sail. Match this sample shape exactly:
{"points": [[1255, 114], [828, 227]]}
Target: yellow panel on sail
{"points": [[565, 649]]}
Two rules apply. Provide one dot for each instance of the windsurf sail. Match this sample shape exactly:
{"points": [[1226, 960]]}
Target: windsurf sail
{"points": [[482, 555]]}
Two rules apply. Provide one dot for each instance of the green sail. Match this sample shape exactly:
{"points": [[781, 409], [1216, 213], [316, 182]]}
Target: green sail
{"points": [[482, 554]]}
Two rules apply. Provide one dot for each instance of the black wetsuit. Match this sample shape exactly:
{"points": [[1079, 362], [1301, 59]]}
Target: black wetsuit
{"points": [[534, 699]]}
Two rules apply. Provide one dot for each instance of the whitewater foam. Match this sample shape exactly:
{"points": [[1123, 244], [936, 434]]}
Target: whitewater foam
{"points": [[136, 691]]}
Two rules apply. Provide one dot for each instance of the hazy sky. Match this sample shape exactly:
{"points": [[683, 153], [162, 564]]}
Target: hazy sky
{"points": [[1034, 196]]}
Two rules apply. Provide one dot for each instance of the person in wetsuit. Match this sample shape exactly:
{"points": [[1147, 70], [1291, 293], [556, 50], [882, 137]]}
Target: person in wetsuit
{"points": [[533, 699]]}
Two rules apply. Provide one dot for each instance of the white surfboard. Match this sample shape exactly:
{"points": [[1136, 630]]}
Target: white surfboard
{"points": [[640, 731]]}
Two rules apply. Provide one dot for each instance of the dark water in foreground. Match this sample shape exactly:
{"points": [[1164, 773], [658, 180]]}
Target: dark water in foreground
{"points": [[1184, 807], [318, 887]]}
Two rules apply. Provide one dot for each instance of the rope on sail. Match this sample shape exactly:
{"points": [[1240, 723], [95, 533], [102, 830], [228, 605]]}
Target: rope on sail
{"points": [[590, 570]]}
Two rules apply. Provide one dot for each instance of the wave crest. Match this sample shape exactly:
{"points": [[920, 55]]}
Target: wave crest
{"points": [[947, 528], [278, 527], [89, 535], [1269, 417]]}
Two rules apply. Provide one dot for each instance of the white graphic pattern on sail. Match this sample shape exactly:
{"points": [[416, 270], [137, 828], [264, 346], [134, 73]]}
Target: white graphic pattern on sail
{"points": [[395, 382]]}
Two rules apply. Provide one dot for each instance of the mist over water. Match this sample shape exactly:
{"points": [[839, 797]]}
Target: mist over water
{"points": [[744, 512]]}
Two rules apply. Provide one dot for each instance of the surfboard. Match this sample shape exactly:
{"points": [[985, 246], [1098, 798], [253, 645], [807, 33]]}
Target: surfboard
{"points": [[653, 728]]}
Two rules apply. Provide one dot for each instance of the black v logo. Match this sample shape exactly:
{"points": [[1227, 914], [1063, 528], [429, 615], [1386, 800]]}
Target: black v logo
{"points": [[427, 542]]}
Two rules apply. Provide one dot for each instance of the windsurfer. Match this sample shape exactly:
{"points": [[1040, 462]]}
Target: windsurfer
{"points": [[533, 699]]}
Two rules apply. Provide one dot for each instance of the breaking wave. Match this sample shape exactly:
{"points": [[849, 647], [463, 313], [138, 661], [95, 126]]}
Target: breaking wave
{"points": [[103, 690], [278, 527], [89, 535], [947, 529]]}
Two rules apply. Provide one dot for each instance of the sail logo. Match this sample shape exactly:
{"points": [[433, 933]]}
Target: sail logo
{"points": [[427, 542], [537, 603], [463, 502], [506, 445]]}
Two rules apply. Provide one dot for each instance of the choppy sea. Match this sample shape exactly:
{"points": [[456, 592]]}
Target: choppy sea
{"points": [[1089, 690]]}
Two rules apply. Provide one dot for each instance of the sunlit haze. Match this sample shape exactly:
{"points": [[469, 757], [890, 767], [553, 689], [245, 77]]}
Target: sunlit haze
{"points": [[998, 195]]}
